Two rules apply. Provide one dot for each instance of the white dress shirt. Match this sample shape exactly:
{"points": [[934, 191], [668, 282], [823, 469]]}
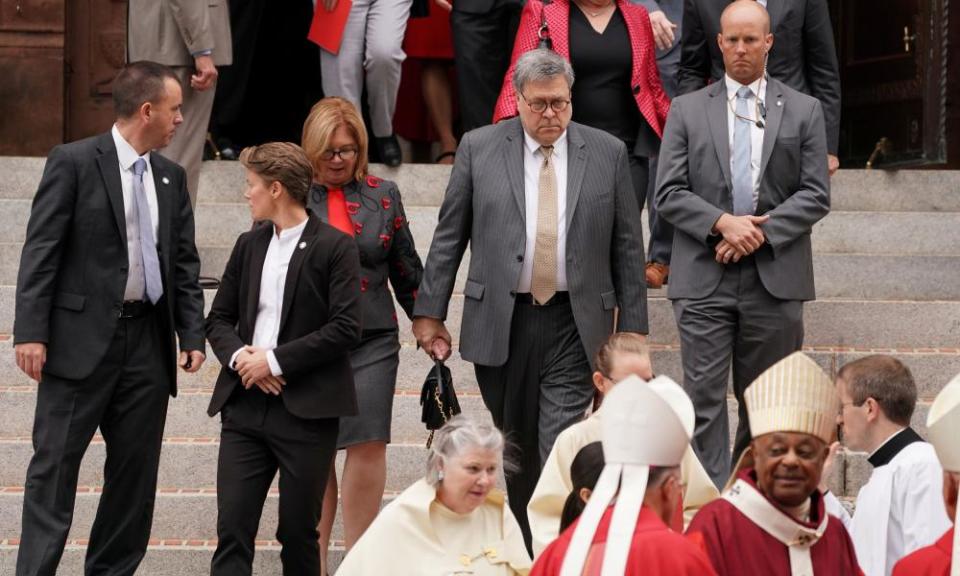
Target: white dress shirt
{"points": [[532, 162], [136, 283], [759, 89], [272, 282], [899, 509]]}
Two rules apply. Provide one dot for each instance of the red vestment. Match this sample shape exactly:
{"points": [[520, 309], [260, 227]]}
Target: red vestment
{"points": [[934, 560], [736, 545], [655, 550]]}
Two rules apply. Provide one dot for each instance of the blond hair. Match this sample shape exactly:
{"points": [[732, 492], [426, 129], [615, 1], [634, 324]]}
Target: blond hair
{"points": [[619, 343], [325, 117]]}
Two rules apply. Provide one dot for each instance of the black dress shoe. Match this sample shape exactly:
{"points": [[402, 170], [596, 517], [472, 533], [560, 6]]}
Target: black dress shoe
{"points": [[389, 150]]}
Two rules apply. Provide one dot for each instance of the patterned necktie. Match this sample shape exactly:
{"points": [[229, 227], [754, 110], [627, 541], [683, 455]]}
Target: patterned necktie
{"points": [[742, 172], [148, 245], [544, 284], [337, 213]]}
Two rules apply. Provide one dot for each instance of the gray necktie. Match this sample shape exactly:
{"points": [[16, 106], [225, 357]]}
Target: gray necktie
{"points": [[148, 245], [742, 173]]}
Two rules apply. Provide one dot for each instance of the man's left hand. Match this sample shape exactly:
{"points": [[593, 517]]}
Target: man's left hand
{"points": [[833, 164], [253, 367], [206, 75], [663, 30], [727, 252], [191, 360]]}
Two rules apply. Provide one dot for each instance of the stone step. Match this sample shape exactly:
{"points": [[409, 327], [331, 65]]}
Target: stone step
{"points": [[931, 369], [171, 559], [855, 276], [895, 233], [828, 322], [186, 514], [424, 185]]}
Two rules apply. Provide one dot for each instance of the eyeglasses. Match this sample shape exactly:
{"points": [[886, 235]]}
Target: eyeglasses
{"points": [[348, 153], [540, 106]]}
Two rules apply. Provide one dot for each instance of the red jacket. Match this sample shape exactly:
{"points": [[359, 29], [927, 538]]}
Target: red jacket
{"points": [[645, 80]]}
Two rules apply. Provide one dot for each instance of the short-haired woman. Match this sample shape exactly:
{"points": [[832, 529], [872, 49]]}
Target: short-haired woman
{"points": [[282, 325], [368, 210], [453, 521]]}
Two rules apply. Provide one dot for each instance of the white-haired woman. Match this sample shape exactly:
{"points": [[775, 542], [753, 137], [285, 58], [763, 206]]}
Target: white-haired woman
{"points": [[453, 521]]}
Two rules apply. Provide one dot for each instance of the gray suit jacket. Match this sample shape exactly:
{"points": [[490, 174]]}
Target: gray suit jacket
{"points": [[694, 189], [803, 55], [171, 31], [484, 206]]}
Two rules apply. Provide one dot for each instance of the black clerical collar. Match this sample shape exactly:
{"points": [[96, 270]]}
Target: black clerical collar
{"points": [[884, 454]]}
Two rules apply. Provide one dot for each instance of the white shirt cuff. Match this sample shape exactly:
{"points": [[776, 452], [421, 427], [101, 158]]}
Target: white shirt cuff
{"points": [[274, 365], [233, 359]]}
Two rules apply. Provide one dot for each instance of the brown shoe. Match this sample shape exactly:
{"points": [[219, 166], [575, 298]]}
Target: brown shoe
{"points": [[657, 274]]}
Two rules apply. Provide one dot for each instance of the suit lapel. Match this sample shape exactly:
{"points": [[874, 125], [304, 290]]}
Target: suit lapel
{"points": [[717, 119], [109, 164], [513, 160], [774, 104], [161, 183], [293, 269], [576, 167], [319, 204], [258, 255]]}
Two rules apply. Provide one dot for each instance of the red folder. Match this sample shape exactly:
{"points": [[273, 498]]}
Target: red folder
{"points": [[326, 30]]}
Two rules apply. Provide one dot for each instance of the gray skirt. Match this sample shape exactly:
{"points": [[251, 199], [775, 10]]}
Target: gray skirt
{"points": [[374, 362]]}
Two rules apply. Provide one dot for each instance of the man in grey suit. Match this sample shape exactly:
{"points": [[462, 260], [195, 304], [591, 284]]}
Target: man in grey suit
{"points": [[743, 178], [193, 38], [804, 58], [548, 209]]}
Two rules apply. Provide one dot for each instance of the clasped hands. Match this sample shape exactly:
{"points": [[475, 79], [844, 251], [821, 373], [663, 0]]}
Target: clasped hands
{"points": [[254, 370], [742, 236]]}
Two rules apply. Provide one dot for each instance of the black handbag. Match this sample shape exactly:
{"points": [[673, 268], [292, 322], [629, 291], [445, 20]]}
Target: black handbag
{"points": [[543, 33], [438, 399]]}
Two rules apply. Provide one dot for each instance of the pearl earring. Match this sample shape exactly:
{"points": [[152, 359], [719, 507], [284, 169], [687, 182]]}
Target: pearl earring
{"points": [[440, 476]]}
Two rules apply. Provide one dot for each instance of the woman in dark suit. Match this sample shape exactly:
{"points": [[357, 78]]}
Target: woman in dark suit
{"points": [[370, 211], [282, 325], [610, 45]]}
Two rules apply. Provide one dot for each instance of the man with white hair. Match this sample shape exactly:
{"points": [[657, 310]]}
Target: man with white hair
{"points": [[624, 528], [771, 519], [943, 428]]}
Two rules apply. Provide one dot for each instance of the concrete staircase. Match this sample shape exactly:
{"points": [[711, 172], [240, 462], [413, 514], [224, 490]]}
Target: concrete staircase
{"points": [[888, 276]]}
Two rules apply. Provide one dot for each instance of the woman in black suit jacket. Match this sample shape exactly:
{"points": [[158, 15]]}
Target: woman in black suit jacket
{"points": [[286, 377], [369, 210]]}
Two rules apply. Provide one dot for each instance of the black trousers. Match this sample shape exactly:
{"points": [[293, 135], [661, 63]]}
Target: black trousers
{"points": [[258, 437], [482, 44], [739, 322], [543, 388], [126, 397]]}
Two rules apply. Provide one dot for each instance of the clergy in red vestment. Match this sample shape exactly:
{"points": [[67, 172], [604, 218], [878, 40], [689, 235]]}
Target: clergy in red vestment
{"points": [[771, 519], [943, 427], [623, 529]]}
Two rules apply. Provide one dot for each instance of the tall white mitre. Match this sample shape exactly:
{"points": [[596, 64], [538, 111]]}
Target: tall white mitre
{"points": [[943, 431], [644, 424]]}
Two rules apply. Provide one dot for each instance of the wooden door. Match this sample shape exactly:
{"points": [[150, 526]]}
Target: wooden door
{"points": [[31, 76], [892, 56], [96, 48]]}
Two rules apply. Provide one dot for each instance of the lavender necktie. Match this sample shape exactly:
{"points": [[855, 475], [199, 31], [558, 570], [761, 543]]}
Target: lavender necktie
{"points": [[742, 172], [148, 245]]}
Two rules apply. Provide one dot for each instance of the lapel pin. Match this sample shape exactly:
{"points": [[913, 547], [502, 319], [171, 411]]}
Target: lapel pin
{"points": [[166, 180], [302, 245]]}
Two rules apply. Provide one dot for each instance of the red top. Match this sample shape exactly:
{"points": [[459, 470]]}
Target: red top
{"points": [[337, 211], [655, 551], [933, 560], [644, 79]]}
